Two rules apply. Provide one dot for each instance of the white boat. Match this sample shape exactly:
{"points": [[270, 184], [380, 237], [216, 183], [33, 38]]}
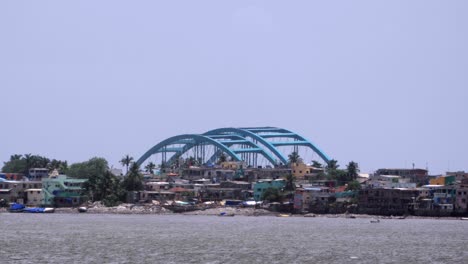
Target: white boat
{"points": [[82, 209]]}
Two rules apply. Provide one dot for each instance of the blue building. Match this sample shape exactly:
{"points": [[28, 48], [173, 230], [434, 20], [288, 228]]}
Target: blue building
{"points": [[260, 187]]}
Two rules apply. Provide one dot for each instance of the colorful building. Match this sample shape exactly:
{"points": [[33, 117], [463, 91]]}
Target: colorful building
{"points": [[444, 180], [61, 191], [260, 187]]}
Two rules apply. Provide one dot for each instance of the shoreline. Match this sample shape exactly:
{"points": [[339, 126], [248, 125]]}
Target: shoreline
{"points": [[131, 209]]}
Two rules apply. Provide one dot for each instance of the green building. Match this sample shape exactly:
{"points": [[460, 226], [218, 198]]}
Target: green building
{"points": [[61, 191], [260, 186]]}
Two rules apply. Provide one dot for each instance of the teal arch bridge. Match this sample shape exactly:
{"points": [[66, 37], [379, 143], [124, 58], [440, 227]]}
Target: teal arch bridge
{"points": [[248, 144]]}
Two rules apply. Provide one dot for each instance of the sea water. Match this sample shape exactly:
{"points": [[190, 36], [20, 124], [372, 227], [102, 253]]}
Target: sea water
{"points": [[94, 238]]}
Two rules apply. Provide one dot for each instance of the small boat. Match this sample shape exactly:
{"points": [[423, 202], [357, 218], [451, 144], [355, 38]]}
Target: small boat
{"points": [[82, 209], [464, 218], [39, 210], [226, 214], [16, 208], [375, 221], [283, 215]]}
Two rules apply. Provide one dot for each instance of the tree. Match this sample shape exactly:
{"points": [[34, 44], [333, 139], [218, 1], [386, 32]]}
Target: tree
{"points": [[134, 180], [332, 165], [290, 186], [222, 158], [61, 166], [150, 167], [316, 164], [353, 170], [126, 160], [104, 187], [22, 163], [272, 195], [94, 167], [294, 157], [353, 185]]}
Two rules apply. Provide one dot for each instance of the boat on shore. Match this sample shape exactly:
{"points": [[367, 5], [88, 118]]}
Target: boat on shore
{"points": [[16, 208], [82, 209], [20, 208], [39, 210], [283, 215], [226, 214]]}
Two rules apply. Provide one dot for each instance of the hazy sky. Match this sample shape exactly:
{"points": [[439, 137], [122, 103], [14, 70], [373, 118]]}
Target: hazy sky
{"points": [[383, 83]]}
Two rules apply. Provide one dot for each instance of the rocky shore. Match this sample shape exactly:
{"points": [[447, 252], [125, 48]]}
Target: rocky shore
{"points": [[99, 208]]}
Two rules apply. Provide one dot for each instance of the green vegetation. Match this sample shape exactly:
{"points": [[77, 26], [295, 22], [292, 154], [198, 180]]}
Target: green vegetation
{"points": [[22, 163], [290, 186], [134, 179], [294, 158], [150, 167], [353, 186], [222, 158], [126, 161], [342, 176], [94, 167], [104, 187], [316, 164], [353, 170], [272, 195]]}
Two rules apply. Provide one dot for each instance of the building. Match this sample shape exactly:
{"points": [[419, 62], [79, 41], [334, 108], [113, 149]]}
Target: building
{"points": [[384, 201], [459, 175], [313, 199], [161, 196], [14, 191], [389, 181], [34, 197], [61, 191], [418, 176], [443, 180], [260, 187], [36, 174], [12, 176], [461, 202]]}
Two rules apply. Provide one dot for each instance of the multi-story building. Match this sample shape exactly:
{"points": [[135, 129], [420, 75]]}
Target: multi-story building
{"points": [[389, 181], [36, 174], [461, 202], [61, 191], [14, 191], [443, 180], [34, 197], [262, 185], [386, 201], [418, 176], [312, 198]]}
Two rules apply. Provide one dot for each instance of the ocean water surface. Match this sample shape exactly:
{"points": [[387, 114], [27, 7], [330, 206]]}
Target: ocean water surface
{"points": [[94, 238]]}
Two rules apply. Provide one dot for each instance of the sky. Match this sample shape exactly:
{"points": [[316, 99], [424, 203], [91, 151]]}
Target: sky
{"points": [[381, 83]]}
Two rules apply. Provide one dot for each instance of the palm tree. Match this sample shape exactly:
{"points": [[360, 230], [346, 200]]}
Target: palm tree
{"points": [[126, 160], [150, 167], [353, 170], [332, 165], [134, 180], [316, 164], [222, 158], [294, 157], [15, 157]]}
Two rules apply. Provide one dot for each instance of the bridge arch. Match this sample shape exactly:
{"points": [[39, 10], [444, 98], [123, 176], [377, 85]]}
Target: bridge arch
{"points": [[252, 141]]}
